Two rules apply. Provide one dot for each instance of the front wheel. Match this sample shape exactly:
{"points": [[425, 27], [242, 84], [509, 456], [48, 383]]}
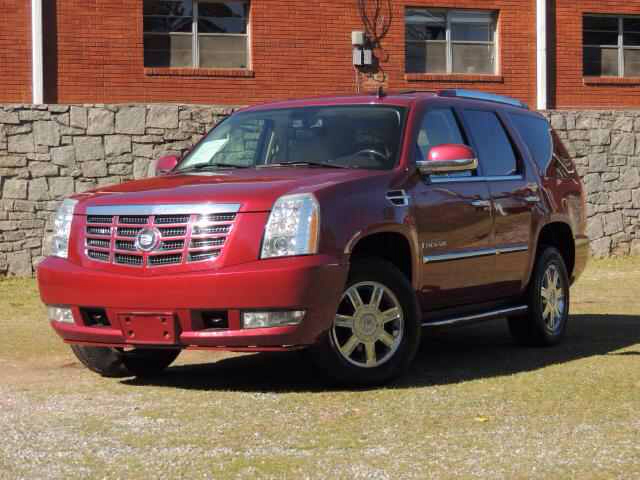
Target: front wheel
{"points": [[548, 299], [376, 331], [114, 362]]}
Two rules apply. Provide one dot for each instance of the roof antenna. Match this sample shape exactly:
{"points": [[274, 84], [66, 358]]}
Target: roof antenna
{"points": [[380, 92]]}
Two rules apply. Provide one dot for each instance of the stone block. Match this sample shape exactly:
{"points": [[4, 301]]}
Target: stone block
{"points": [[21, 143], [115, 145], [78, 117], [94, 169], [43, 169], [38, 189], [60, 187], [131, 120], [63, 156], [19, 264], [162, 116], [15, 188], [88, 148], [623, 144], [100, 122]]}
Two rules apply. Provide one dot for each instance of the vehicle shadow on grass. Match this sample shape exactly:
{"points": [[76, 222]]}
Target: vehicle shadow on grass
{"points": [[456, 355]]}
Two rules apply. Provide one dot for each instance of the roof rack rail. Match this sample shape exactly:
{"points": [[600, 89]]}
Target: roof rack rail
{"points": [[487, 97]]}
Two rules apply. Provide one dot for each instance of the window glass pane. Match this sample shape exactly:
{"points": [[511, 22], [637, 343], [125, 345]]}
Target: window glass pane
{"points": [[167, 51], [600, 61], [423, 24], [337, 135], [175, 8], [494, 147], [632, 63], [223, 51], [213, 8], [632, 25], [460, 16], [535, 132], [632, 39], [168, 24], [438, 127], [600, 23], [222, 25], [473, 59], [600, 38], [428, 57], [471, 32]]}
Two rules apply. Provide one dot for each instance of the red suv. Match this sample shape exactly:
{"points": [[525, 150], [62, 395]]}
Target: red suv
{"points": [[345, 226]]}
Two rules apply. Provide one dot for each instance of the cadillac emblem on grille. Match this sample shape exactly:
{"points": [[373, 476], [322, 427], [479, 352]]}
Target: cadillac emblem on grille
{"points": [[147, 240]]}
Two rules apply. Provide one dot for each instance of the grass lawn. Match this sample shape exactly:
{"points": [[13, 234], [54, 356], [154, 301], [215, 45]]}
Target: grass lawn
{"points": [[473, 406]]}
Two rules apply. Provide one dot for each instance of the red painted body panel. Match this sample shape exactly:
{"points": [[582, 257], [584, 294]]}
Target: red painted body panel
{"points": [[353, 207]]}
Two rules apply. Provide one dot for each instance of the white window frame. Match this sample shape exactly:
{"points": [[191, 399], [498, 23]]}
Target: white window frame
{"points": [[620, 46], [195, 44], [450, 19]]}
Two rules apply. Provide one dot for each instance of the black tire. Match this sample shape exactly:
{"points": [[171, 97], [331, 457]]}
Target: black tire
{"points": [[326, 353], [535, 329], [112, 362]]}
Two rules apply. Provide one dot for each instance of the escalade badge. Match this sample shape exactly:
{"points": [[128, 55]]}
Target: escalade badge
{"points": [[148, 239]]}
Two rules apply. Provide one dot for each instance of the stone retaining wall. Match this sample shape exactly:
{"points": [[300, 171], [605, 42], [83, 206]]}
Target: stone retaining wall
{"points": [[606, 148], [48, 152], [51, 151]]}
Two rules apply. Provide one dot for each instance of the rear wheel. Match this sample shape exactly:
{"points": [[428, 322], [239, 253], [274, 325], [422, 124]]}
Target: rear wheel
{"points": [[113, 362], [548, 299], [376, 330]]}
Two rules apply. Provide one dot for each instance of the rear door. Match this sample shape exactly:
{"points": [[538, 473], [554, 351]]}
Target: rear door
{"points": [[453, 215], [514, 195]]}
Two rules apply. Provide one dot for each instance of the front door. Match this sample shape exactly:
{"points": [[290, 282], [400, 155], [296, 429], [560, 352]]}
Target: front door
{"points": [[454, 223]]}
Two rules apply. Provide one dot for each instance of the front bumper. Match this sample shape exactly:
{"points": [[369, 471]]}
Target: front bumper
{"points": [[312, 283]]}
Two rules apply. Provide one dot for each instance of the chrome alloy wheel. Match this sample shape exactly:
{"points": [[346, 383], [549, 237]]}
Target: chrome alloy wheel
{"points": [[369, 325], [553, 299]]}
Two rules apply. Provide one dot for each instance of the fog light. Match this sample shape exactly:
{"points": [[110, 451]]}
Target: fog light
{"points": [[60, 314], [271, 319]]}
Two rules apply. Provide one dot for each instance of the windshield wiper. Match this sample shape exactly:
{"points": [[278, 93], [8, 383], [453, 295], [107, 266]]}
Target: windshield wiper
{"points": [[304, 164], [204, 166]]}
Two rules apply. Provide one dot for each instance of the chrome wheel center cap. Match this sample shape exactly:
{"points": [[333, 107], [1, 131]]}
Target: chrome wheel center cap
{"points": [[366, 326]]}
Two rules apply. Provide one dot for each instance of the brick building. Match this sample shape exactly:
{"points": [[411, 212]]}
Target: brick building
{"points": [[246, 51]]}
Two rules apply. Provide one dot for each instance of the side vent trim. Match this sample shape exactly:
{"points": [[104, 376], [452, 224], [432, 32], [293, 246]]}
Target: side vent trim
{"points": [[398, 198]]}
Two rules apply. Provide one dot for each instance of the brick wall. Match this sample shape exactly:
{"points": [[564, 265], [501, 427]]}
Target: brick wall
{"points": [[15, 51], [571, 89], [94, 53], [49, 152]]}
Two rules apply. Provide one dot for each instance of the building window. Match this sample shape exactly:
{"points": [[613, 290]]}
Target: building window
{"points": [[611, 46], [196, 33], [450, 41]]}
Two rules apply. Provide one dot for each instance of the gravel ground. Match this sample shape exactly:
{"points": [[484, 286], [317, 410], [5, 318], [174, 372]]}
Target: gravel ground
{"points": [[473, 406]]}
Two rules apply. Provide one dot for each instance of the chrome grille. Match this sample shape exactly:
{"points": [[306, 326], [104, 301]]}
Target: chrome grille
{"points": [[185, 238]]}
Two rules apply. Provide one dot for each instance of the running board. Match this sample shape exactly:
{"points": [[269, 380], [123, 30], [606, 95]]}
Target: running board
{"points": [[502, 312]]}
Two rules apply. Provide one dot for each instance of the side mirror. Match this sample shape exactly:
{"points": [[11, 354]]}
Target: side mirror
{"points": [[165, 164], [448, 158]]}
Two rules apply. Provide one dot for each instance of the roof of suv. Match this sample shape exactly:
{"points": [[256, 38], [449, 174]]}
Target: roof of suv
{"points": [[401, 99]]}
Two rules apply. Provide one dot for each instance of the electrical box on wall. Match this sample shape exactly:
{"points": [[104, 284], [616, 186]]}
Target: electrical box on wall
{"points": [[362, 57]]}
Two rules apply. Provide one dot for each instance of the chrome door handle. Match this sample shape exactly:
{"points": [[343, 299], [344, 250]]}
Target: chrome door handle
{"points": [[484, 204], [532, 199]]}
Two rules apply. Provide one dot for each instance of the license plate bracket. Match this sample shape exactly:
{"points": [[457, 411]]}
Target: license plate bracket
{"points": [[149, 328]]}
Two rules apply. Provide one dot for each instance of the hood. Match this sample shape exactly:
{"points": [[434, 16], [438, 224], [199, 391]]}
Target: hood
{"points": [[255, 189]]}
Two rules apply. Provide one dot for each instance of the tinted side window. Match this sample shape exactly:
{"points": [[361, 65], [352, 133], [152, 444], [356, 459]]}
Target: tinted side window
{"points": [[536, 134], [439, 126], [494, 147]]}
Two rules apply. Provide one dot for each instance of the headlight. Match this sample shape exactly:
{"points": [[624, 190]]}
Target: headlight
{"points": [[293, 227], [62, 228]]}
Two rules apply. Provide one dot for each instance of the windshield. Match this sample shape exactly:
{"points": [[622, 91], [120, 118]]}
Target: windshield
{"points": [[365, 136]]}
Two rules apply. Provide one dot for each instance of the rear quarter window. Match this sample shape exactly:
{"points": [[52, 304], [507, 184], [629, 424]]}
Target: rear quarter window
{"points": [[536, 134]]}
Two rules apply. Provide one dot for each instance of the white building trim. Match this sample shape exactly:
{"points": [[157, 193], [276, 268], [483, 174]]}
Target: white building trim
{"points": [[37, 57], [541, 54]]}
